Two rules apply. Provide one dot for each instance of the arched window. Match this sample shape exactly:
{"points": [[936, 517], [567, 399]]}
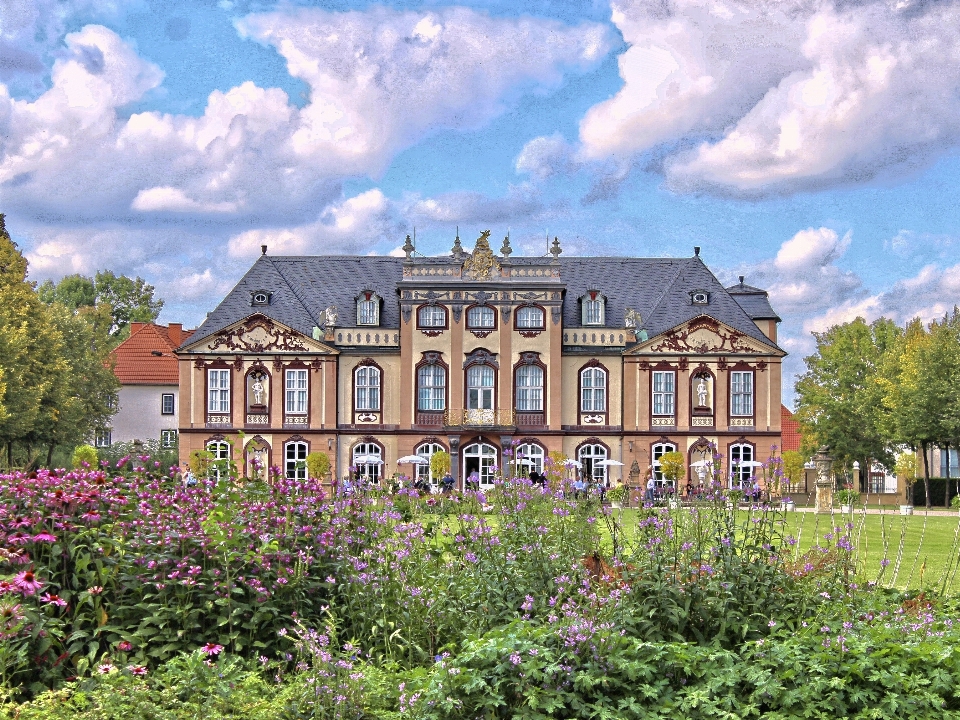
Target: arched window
{"points": [[592, 310], [593, 389], [366, 385], [482, 317], [528, 457], [432, 388], [368, 461], [432, 316], [424, 471], [220, 452], [529, 388], [530, 318], [368, 309], [590, 457], [479, 461], [295, 460], [658, 451], [480, 386], [742, 467]]}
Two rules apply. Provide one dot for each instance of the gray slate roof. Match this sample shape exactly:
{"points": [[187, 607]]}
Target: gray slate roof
{"points": [[659, 288]]}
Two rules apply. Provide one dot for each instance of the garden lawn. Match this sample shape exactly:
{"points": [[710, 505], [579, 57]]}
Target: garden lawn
{"points": [[922, 551]]}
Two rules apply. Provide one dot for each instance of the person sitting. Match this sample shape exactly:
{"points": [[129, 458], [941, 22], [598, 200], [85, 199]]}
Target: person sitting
{"points": [[446, 484]]}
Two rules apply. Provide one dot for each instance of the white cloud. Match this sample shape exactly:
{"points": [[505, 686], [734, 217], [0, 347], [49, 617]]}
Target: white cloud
{"points": [[751, 98], [522, 202], [546, 156], [158, 199]]}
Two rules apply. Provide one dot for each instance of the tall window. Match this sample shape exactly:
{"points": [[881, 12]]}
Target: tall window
{"points": [[296, 390], [218, 391], [742, 469], [432, 316], [954, 469], [102, 438], [366, 384], [529, 317], [529, 388], [481, 316], [368, 460], [593, 390], [424, 472], [590, 457], [368, 311], [431, 388], [168, 438], [220, 455], [741, 393], [659, 450], [166, 404], [295, 460], [528, 457], [592, 310], [480, 380], [663, 392]]}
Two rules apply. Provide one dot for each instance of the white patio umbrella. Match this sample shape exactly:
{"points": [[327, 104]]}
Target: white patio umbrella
{"points": [[607, 463], [572, 463], [749, 463], [368, 460], [701, 464], [524, 461], [415, 459]]}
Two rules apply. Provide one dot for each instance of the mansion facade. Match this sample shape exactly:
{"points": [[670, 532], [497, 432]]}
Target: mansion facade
{"points": [[498, 360]]}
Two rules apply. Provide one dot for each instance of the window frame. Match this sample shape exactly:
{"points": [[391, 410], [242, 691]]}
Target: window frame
{"points": [[436, 310], [445, 372], [592, 444], [518, 454], [368, 300], [481, 328], [657, 451], [167, 433], [163, 403], [661, 394], [740, 471], [295, 444], [222, 371], [593, 366], [467, 387], [735, 373], [219, 464], [528, 363], [370, 369], [587, 300], [529, 328], [423, 471], [103, 437], [378, 469], [298, 392]]}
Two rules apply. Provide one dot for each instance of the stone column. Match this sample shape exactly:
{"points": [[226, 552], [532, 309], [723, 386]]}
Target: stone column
{"points": [[825, 483], [454, 441]]}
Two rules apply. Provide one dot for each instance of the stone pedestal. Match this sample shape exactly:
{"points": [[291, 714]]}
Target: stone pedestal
{"points": [[825, 482], [824, 499]]}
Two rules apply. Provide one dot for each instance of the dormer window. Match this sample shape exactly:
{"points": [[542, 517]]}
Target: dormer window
{"points": [[260, 298], [592, 308], [700, 297], [368, 309]]}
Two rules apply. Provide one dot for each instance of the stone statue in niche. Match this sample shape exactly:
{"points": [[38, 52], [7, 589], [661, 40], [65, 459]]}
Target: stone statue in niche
{"points": [[701, 393], [702, 390], [257, 391]]}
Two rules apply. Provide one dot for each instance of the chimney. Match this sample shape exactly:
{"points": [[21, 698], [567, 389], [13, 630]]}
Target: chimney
{"points": [[175, 332], [135, 326]]}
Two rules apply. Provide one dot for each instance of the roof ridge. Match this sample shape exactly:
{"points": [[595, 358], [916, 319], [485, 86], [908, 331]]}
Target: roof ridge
{"points": [[303, 303], [666, 288]]}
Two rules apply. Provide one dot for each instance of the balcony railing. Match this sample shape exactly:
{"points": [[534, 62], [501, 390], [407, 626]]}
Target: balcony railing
{"points": [[479, 418], [530, 419], [427, 417]]}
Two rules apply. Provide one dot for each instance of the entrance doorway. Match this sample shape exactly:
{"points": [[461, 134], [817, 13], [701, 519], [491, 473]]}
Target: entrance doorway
{"points": [[479, 460]]}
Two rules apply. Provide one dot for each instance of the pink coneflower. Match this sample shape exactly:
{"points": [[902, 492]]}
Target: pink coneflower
{"points": [[7, 587], [124, 646], [53, 600], [95, 590], [105, 669], [212, 649], [44, 537], [27, 582], [138, 670]]}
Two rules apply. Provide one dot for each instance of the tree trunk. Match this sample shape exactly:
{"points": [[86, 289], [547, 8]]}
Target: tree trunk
{"points": [[50, 456], [926, 473], [10, 455], [946, 484]]}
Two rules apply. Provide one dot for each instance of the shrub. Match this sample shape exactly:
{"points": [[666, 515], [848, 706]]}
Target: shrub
{"points": [[848, 496], [318, 464], [84, 456], [672, 466], [440, 463], [618, 494]]}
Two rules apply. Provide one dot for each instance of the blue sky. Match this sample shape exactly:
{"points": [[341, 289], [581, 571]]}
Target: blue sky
{"points": [[808, 145]]}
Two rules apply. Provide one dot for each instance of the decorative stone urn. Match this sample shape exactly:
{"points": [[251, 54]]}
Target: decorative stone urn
{"points": [[825, 483]]}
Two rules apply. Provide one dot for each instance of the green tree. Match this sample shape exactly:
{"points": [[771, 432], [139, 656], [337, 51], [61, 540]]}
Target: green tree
{"points": [[127, 299], [31, 346], [839, 398]]}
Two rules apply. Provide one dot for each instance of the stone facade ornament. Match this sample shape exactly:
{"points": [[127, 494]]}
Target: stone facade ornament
{"points": [[482, 265], [330, 316], [824, 465]]}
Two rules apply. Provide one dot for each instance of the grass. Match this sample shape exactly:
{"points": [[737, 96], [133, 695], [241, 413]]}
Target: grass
{"points": [[922, 550]]}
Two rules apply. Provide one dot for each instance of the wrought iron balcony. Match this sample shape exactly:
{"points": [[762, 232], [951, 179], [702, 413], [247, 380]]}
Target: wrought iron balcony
{"points": [[479, 418]]}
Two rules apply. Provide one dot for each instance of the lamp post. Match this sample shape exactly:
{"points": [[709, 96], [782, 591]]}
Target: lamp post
{"points": [[824, 465], [856, 477]]}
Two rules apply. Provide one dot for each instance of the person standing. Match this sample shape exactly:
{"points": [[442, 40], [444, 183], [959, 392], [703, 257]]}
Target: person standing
{"points": [[651, 487]]}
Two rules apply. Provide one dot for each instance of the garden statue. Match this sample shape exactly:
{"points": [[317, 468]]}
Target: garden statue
{"points": [[702, 393], [257, 391]]}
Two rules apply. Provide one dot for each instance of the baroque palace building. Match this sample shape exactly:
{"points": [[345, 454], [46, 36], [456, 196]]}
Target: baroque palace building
{"points": [[487, 356]]}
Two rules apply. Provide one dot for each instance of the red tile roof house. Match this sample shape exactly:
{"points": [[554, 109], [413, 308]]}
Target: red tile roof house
{"points": [[146, 366]]}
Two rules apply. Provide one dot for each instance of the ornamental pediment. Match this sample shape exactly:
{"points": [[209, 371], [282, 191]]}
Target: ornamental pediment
{"points": [[704, 335], [260, 334]]}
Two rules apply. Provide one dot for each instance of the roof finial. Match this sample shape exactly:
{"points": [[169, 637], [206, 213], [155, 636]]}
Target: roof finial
{"points": [[556, 250], [263, 249], [506, 249], [457, 247], [696, 251], [408, 247], [741, 279]]}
